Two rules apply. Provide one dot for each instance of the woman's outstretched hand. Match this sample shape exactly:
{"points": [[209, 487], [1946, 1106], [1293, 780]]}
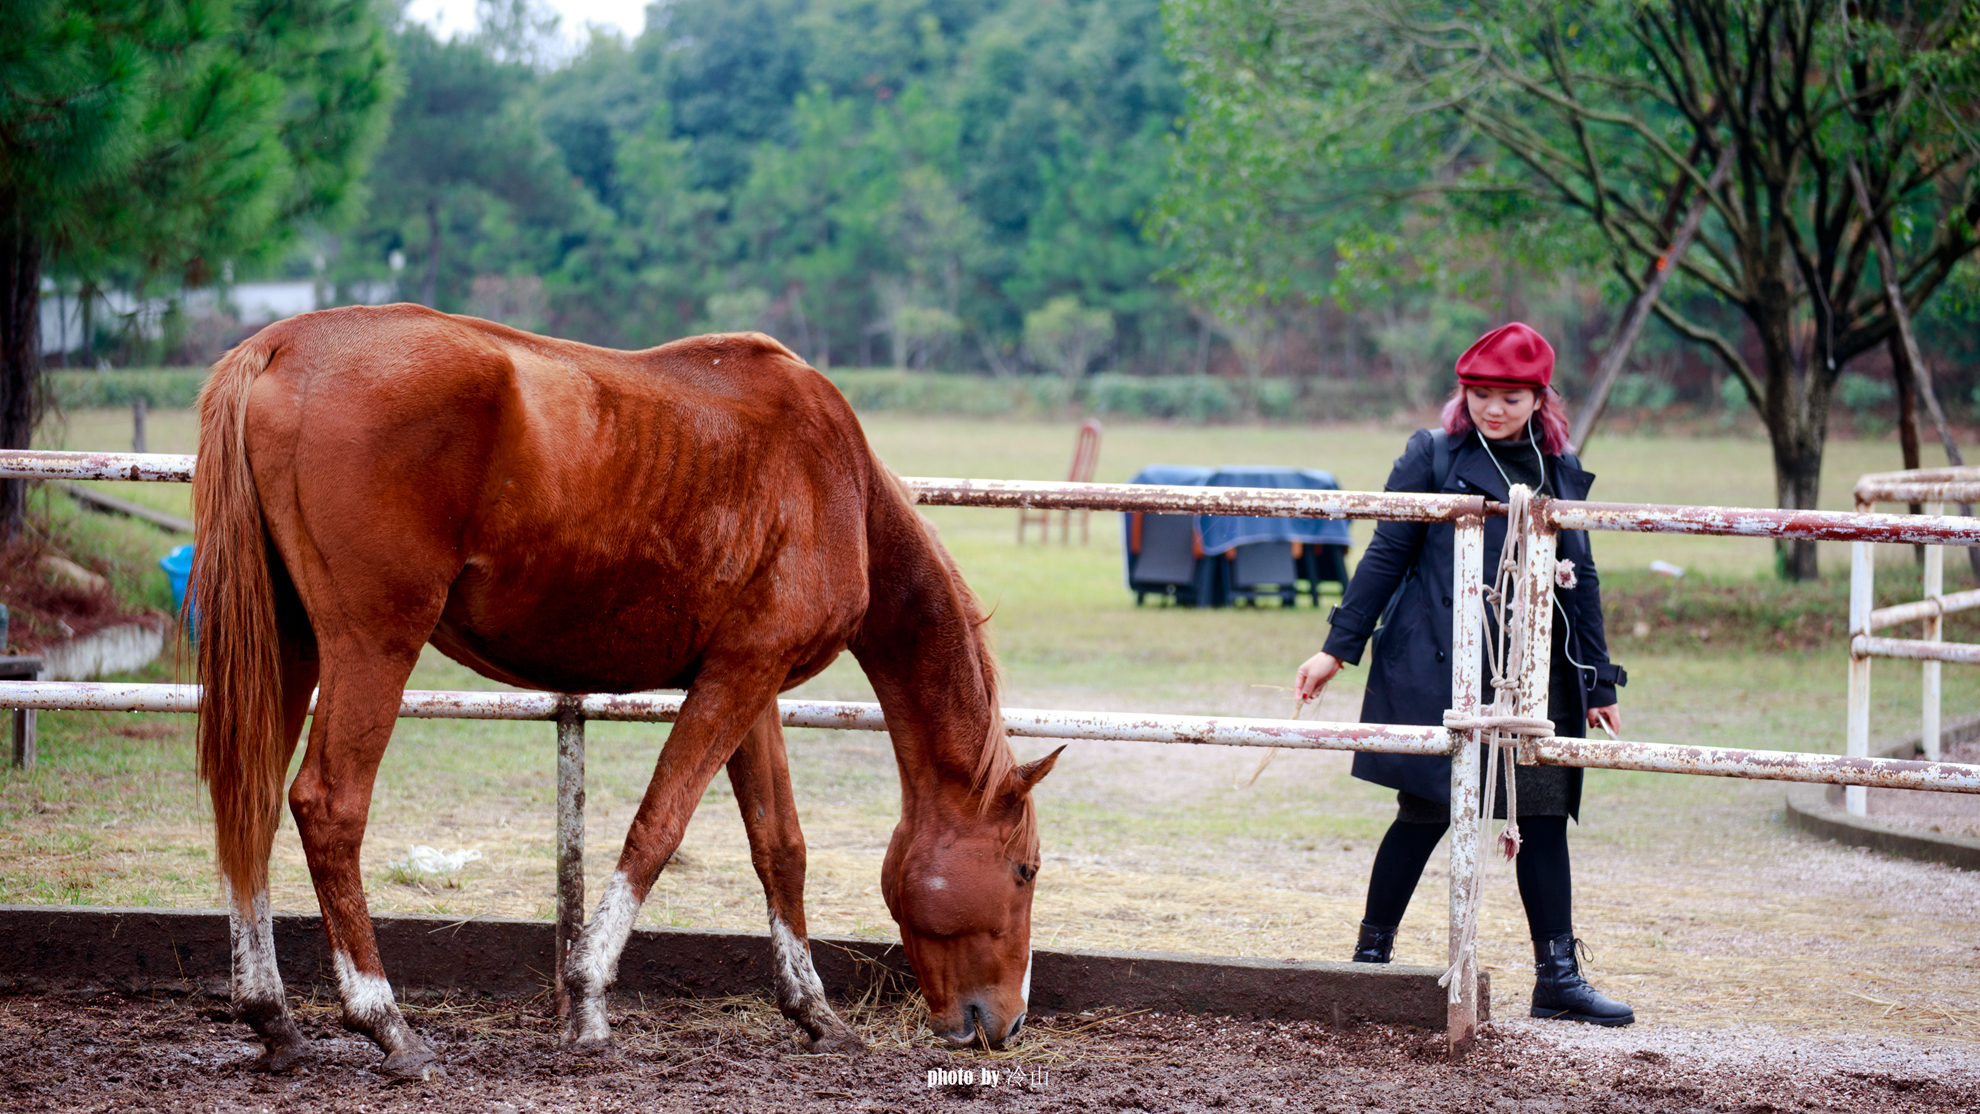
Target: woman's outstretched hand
{"points": [[1608, 717], [1314, 675]]}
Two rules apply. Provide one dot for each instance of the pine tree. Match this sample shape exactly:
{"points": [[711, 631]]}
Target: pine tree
{"points": [[160, 137]]}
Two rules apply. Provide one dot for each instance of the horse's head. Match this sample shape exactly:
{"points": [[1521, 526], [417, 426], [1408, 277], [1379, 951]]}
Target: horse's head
{"points": [[958, 880]]}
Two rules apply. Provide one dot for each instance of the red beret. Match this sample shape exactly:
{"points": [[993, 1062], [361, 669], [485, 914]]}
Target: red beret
{"points": [[1508, 356]]}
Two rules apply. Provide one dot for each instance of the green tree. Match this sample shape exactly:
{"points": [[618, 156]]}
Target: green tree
{"points": [[466, 152], [1065, 336], [1613, 115], [149, 138], [905, 173]]}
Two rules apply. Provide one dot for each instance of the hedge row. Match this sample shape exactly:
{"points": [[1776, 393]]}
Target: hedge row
{"points": [[170, 388], [1184, 398], [927, 392]]}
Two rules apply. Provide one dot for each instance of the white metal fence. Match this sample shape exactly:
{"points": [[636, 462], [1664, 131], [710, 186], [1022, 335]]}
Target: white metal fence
{"points": [[1467, 514], [1932, 488]]}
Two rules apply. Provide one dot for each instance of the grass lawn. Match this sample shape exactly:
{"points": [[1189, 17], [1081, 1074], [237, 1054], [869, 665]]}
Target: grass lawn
{"points": [[1702, 908]]}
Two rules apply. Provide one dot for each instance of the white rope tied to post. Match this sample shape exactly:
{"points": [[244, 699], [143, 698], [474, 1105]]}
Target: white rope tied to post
{"points": [[1530, 726], [1501, 724]]}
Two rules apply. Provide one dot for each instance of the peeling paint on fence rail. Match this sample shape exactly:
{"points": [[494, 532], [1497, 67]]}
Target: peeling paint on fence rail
{"points": [[1756, 522], [1151, 498], [1914, 649], [1120, 726], [1263, 502], [1765, 765], [840, 715], [1920, 485], [38, 464], [1929, 608]]}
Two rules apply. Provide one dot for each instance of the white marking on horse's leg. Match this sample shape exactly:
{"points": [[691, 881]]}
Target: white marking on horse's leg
{"points": [[369, 1008], [801, 994], [367, 997], [593, 964], [799, 990], [257, 981]]}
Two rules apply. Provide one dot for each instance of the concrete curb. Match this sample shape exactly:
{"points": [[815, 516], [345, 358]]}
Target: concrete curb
{"points": [[1810, 809], [57, 949], [115, 649]]}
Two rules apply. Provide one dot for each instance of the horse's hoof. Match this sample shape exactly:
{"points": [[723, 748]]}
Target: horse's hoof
{"points": [[283, 1058], [840, 1041], [587, 1044], [414, 1065]]}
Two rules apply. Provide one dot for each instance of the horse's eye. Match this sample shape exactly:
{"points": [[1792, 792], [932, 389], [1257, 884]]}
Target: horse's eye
{"points": [[1027, 871]]}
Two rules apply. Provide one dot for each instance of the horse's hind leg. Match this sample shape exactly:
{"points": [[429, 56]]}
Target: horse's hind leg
{"points": [[760, 773], [331, 800], [258, 998]]}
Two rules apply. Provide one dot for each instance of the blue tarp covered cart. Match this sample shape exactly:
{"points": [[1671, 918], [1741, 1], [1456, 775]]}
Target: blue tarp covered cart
{"points": [[1213, 560]]}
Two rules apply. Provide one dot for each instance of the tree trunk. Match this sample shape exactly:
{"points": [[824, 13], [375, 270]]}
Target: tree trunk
{"points": [[429, 297], [1796, 410], [86, 308], [1797, 486], [1907, 394], [20, 352]]}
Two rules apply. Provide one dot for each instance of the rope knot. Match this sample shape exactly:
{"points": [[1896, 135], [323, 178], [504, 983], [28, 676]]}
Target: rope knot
{"points": [[1532, 727]]}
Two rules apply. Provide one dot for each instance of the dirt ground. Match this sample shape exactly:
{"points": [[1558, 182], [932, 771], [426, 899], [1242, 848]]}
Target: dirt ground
{"points": [[114, 1054]]}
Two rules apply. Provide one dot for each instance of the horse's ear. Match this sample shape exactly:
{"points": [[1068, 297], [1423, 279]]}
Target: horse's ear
{"points": [[1024, 777]]}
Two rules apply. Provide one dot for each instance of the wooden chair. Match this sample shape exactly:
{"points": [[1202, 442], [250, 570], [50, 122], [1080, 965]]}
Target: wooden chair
{"points": [[1086, 458]]}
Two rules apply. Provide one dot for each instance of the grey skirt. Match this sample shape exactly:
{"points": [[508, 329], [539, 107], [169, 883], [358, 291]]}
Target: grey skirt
{"points": [[1542, 791]]}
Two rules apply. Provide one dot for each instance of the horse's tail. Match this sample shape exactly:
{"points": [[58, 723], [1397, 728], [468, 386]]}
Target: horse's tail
{"points": [[232, 607]]}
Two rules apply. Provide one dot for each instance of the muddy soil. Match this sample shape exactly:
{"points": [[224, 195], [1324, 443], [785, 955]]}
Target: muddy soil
{"points": [[116, 1054]]}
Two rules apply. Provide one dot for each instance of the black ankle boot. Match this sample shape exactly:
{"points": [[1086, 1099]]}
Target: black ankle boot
{"points": [[1560, 991], [1374, 944]]}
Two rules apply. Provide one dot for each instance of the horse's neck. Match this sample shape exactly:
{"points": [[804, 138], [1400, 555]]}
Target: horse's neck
{"points": [[918, 645]]}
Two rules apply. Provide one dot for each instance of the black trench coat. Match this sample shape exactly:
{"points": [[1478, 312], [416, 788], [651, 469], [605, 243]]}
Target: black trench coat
{"points": [[1409, 680]]}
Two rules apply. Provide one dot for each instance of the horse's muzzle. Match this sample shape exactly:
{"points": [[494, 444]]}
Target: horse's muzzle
{"points": [[981, 1024]]}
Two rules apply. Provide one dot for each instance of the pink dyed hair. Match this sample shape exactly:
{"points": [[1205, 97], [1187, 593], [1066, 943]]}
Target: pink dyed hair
{"points": [[1552, 415]]}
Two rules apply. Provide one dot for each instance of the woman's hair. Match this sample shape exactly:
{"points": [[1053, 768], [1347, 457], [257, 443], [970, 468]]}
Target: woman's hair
{"points": [[1551, 414]]}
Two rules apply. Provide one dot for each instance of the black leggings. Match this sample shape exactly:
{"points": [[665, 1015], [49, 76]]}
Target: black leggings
{"points": [[1546, 884]]}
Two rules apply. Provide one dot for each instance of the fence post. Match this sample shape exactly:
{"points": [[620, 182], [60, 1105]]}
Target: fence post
{"points": [[138, 439], [1536, 592], [1861, 588], [1467, 677], [1935, 628], [570, 838]]}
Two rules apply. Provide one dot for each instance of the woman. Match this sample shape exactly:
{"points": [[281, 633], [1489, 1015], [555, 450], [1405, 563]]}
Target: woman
{"points": [[1504, 425]]}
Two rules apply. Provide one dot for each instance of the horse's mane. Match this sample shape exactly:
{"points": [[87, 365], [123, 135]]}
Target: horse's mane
{"points": [[994, 760]]}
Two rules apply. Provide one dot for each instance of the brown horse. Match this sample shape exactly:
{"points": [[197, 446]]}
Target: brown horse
{"points": [[704, 515]]}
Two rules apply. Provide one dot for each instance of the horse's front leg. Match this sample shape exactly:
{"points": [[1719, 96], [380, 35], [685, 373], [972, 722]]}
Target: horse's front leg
{"points": [[725, 700], [761, 775]]}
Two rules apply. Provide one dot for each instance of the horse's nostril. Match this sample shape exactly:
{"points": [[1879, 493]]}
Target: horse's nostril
{"points": [[1015, 1026]]}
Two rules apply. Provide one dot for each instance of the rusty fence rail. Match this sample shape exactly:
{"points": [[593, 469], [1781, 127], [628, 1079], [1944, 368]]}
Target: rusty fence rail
{"points": [[1143, 727], [1467, 514], [1561, 514]]}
